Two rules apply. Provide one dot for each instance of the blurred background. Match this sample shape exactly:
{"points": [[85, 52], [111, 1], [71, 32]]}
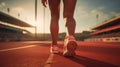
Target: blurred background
{"points": [[22, 20]]}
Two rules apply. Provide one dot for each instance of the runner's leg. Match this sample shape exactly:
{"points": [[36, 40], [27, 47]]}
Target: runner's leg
{"points": [[54, 6]]}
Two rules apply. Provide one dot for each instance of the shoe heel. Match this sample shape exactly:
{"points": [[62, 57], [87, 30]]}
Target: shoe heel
{"points": [[71, 47]]}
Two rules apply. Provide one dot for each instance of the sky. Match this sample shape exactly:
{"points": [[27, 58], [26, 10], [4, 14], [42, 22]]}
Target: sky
{"points": [[88, 13]]}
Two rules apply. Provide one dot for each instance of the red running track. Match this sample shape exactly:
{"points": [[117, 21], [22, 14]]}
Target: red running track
{"points": [[36, 54]]}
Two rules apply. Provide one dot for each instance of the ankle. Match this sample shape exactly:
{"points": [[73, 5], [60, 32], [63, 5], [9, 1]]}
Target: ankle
{"points": [[53, 44], [70, 36]]}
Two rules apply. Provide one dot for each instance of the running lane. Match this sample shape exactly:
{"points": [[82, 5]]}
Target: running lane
{"points": [[19, 54]]}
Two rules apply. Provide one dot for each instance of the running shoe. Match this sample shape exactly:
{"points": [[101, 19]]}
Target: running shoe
{"points": [[70, 46], [54, 49]]}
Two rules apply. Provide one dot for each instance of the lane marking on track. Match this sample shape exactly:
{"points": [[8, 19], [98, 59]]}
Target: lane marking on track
{"points": [[16, 48], [49, 61]]}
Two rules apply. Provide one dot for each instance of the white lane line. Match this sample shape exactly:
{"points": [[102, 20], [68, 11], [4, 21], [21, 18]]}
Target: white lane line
{"points": [[49, 61], [17, 48]]}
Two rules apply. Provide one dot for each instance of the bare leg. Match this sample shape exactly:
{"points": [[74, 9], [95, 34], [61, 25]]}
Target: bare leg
{"points": [[69, 42], [69, 7], [54, 6]]}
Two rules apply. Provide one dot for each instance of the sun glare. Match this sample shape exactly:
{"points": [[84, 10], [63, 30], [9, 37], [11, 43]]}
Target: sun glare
{"points": [[39, 26]]}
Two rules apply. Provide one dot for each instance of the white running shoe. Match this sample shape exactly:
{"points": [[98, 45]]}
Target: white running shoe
{"points": [[70, 46], [54, 49]]}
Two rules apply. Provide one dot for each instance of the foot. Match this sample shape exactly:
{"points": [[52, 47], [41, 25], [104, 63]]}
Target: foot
{"points": [[54, 49], [70, 46]]}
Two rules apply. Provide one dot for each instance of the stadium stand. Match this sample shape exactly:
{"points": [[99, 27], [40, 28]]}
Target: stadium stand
{"points": [[108, 31], [11, 29]]}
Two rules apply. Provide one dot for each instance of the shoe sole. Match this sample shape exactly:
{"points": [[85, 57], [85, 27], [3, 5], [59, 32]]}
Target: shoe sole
{"points": [[55, 52], [71, 47]]}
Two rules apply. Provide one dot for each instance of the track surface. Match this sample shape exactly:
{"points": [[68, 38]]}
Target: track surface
{"points": [[36, 54]]}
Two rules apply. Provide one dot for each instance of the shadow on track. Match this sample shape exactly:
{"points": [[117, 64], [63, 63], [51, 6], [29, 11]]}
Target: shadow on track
{"points": [[88, 62]]}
